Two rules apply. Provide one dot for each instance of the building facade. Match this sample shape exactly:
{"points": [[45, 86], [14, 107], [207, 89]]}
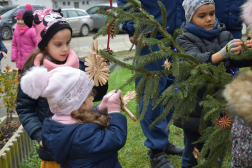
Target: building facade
{"points": [[46, 3], [82, 4]]}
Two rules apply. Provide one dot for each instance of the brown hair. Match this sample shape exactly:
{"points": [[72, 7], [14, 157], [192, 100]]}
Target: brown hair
{"points": [[84, 116], [30, 60]]}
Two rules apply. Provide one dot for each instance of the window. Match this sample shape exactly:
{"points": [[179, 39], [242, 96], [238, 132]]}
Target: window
{"points": [[80, 13], [105, 8], [72, 13], [87, 3], [64, 3], [83, 2], [92, 10], [64, 14], [68, 3], [76, 4]]}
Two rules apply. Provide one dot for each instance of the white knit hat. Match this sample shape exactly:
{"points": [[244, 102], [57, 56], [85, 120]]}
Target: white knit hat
{"points": [[191, 6], [65, 88]]}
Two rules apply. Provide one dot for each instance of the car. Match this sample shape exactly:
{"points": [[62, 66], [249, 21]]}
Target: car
{"points": [[99, 20], [8, 19], [80, 21]]}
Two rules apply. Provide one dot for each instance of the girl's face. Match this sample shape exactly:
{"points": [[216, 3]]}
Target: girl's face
{"points": [[20, 22], [88, 104], [205, 16], [59, 45]]}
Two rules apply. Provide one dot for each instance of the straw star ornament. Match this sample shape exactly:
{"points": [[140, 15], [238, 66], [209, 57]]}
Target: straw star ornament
{"points": [[96, 67], [167, 64]]}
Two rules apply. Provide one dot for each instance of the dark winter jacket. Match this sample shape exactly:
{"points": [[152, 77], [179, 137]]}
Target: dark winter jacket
{"points": [[2, 48], [203, 50], [228, 12], [85, 145], [32, 113], [175, 14]]}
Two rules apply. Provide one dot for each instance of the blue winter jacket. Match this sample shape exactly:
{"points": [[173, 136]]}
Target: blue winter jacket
{"points": [[228, 12], [2, 48], [175, 14], [32, 113], [85, 145]]}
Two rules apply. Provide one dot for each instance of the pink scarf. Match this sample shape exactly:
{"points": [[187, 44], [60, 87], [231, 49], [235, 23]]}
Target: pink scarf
{"points": [[72, 61], [21, 30], [64, 119]]}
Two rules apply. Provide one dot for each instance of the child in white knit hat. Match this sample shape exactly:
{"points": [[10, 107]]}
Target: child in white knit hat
{"points": [[207, 40], [75, 136]]}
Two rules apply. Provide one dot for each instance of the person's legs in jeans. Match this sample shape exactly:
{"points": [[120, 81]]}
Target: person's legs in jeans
{"points": [[188, 159]]}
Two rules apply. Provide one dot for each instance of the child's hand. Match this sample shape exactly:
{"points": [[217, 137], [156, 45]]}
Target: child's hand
{"points": [[40, 143], [249, 44], [103, 107], [114, 102], [4, 54], [233, 47]]}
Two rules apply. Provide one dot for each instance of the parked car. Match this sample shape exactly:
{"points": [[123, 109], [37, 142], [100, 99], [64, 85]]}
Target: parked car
{"points": [[99, 20], [80, 21], [8, 18]]}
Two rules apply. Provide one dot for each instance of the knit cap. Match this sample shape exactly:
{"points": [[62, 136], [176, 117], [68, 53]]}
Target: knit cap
{"points": [[46, 23], [65, 88], [190, 7], [19, 15]]}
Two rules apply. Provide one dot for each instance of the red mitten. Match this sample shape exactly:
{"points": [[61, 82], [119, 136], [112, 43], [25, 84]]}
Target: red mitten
{"points": [[114, 103], [103, 107]]}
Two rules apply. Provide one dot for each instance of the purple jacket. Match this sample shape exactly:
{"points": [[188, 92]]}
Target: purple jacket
{"points": [[22, 46]]}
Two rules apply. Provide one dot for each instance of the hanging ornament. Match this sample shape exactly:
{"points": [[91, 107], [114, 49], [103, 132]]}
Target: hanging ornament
{"points": [[195, 152], [112, 31], [96, 67], [125, 100], [167, 64], [224, 121]]}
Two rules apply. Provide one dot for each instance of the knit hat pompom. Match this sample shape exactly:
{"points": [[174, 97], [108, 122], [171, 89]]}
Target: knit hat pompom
{"points": [[20, 13], [34, 81], [247, 13], [28, 6], [191, 6]]}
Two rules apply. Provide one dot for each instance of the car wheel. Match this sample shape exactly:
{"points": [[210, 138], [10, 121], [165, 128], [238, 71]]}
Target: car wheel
{"points": [[6, 33], [84, 30]]}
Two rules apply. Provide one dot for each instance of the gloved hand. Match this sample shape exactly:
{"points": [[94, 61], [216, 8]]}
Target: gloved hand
{"points": [[114, 102], [103, 107], [227, 51]]}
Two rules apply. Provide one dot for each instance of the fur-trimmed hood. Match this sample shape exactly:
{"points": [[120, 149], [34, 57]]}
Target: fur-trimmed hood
{"points": [[238, 95]]}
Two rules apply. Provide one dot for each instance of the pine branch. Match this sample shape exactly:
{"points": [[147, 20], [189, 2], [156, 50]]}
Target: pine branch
{"points": [[163, 14]]}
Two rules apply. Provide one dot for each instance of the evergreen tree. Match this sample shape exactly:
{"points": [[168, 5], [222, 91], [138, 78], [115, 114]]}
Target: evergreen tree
{"points": [[191, 77]]}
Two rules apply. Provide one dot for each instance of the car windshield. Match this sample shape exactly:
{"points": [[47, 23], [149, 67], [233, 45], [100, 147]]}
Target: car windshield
{"points": [[8, 14], [6, 9]]}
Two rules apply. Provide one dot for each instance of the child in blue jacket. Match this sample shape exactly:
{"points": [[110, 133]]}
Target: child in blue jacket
{"points": [[75, 136]]}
